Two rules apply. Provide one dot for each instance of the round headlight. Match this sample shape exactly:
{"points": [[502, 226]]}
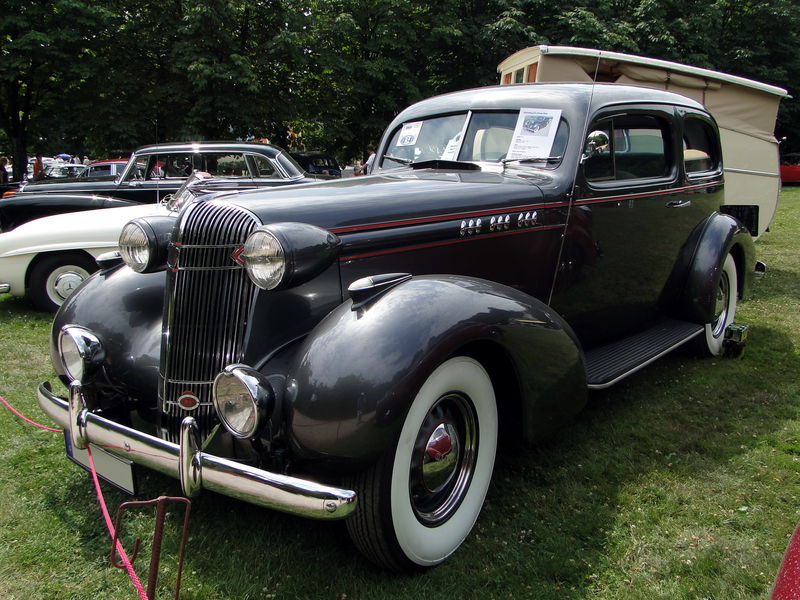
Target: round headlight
{"points": [[134, 246], [80, 350], [264, 259], [243, 399]]}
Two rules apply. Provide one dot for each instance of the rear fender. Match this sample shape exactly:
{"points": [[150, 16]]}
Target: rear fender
{"points": [[689, 294], [352, 381]]}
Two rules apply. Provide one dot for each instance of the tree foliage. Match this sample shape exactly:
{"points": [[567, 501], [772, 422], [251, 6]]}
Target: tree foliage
{"points": [[103, 76]]}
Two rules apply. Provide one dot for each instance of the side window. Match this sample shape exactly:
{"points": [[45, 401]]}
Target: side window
{"points": [[699, 147], [229, 165], [169, 166], [262, 166], [638, 149]]}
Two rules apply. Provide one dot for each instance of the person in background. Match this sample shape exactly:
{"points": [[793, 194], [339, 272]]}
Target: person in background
{"points": [[38, 167], [370, 160], [4, 178], [86, 160]]}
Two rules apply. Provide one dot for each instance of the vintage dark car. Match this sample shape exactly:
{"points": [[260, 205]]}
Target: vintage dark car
{"points": [[354, 349], [153, 172], [318, 164], [23, 208], [110, 168], [247, 165], [62, 170]]}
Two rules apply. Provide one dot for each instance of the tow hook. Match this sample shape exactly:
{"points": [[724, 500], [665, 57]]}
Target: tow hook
{"points": [[735, 339]]}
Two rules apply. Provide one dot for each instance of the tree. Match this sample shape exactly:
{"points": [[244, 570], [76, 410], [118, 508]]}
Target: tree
{"points": [[48, 50]]}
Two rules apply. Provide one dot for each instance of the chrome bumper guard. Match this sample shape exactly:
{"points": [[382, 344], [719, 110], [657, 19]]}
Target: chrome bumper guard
{"points": [[5, 288], [195, 469]]}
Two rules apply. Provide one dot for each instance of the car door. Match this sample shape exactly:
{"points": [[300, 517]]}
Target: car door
{"points": [[629, 218]]}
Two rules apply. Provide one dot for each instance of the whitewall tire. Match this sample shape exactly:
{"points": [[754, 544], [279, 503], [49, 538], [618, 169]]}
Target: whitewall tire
{"points": [[725, 297], [419, 503]]}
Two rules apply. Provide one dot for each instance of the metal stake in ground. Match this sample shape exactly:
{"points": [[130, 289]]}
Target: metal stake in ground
{"points": [[158, 534]]}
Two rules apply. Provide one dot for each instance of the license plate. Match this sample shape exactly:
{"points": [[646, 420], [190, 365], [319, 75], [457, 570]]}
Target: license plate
{"points": [[113, 469]]}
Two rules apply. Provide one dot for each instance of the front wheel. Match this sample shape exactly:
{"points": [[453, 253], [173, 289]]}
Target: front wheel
{"points": [[420, 501], [54, 277]]}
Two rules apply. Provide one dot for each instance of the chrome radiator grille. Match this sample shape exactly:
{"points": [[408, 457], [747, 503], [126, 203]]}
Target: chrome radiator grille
{"points": [[210, 297]]}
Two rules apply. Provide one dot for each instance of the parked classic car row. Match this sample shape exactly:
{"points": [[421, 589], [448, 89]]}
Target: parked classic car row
{"points": [[47, 253], [152, 172], [354, 349]]}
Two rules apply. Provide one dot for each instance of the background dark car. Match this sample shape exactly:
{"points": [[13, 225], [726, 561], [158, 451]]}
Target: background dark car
{"points": [[319, 164], [62, 171], [110, 168], [152, 172], [21, 208]]}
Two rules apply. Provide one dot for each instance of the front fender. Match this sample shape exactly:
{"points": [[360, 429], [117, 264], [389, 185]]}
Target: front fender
{"points": [[124, 309], [355, 376]]}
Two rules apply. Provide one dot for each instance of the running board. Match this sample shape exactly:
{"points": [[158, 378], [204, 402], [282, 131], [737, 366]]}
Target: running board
{"points": [[606, 365]]}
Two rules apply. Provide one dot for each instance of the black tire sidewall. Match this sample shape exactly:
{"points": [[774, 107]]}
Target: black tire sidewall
{"points": [[44, 267]]}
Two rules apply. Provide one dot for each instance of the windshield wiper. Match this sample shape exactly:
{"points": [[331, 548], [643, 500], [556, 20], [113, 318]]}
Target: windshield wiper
{"points": [[528, 159], [402, 161], [435, 163]]}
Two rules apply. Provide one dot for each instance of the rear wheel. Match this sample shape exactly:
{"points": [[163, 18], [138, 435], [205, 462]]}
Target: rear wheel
{"points": [[54, 277], [420, 501], [725, 296]]}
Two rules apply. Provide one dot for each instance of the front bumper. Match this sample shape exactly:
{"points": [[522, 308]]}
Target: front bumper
{"points": [[195, 469]]}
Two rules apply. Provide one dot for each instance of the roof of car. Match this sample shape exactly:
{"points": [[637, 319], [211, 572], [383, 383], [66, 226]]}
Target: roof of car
{"points": [[310, 153], [256, 147], [564, 96]]}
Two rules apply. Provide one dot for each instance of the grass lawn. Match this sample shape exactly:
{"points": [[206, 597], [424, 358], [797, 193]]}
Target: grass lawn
{"points": [[679, 483]]}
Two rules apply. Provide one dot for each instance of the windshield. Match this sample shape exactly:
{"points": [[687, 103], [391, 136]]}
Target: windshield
{"points": [[489, 136]]}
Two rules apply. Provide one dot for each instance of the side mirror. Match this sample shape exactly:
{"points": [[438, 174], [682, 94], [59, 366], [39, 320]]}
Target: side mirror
{"points": [[596, 142]]}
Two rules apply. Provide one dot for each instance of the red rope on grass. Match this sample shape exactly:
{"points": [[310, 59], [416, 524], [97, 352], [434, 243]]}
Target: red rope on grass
{"points": [[125, 561], [24, 418]]}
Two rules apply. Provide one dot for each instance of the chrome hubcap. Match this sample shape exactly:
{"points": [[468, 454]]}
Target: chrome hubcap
{"points": [[443, 459], [721, 305], [66, 283]]}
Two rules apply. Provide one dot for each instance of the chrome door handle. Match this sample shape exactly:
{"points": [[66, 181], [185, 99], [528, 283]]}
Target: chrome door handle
{"points": [[678, 203]]}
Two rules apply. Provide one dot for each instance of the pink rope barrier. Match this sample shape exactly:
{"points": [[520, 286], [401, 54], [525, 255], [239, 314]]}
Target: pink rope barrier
{"points": [[26, 419], [106, 516]]}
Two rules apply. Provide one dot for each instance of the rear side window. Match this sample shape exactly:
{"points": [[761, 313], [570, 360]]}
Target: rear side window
{"points": [[262, 166], [699, 147], [638, 148], [99, 170]]}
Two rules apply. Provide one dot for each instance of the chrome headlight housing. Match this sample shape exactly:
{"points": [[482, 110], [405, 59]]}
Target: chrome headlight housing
{"points": [[144, 242], [81, 352], [282, 255], [264, 259], [244, 400]]}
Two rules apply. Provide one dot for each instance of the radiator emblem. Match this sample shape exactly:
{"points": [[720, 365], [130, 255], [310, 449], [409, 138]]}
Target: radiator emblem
{"points": [[236, 254], [188, 401]]}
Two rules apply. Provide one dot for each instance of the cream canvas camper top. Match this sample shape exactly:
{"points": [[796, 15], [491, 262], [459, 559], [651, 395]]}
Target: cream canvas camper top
{"points": [[745, 111]]}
